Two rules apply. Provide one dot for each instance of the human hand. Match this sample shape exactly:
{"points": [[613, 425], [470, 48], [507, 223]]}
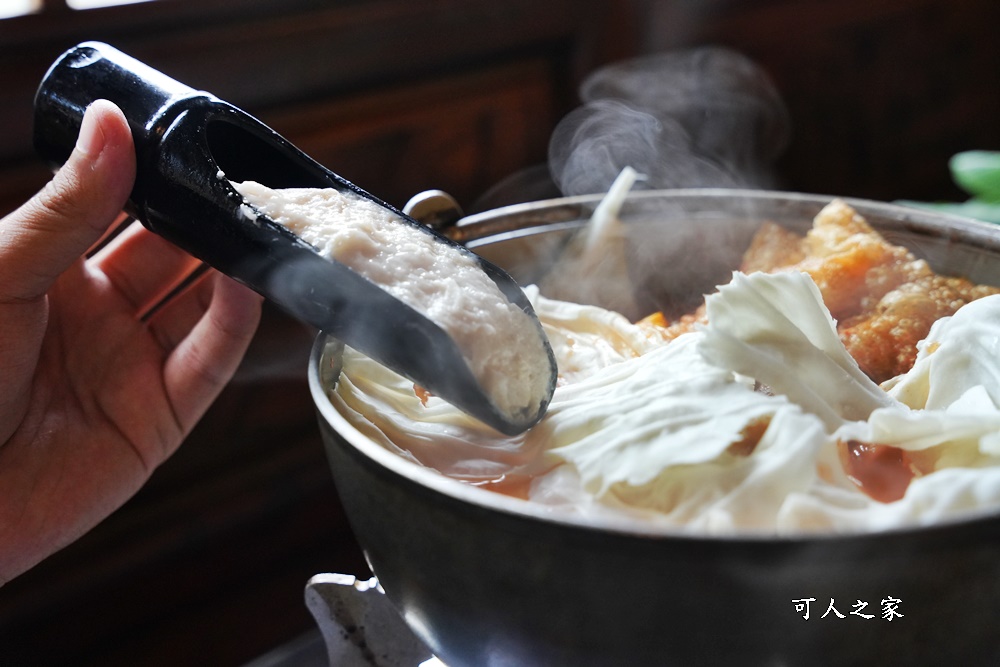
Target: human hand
{"points": [[93, 397]]}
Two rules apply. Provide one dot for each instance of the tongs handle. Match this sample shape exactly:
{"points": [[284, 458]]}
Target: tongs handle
{"points": [[182, 136], [189, 144], [149, 99]]}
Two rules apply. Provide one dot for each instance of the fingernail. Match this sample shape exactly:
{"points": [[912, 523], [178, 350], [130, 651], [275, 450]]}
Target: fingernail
{"points": [[91, 139]]}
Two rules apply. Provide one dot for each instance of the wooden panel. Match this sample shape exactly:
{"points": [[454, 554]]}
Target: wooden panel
{"points": [[880, 94], [460, 134], [270, 58]]}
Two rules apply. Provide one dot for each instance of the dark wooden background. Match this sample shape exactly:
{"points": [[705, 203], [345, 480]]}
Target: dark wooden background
{"points": [[206, 565]]}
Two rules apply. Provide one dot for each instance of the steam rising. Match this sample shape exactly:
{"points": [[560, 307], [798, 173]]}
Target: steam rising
{"points": [[708, 117], [592, 267], [704, 118]]}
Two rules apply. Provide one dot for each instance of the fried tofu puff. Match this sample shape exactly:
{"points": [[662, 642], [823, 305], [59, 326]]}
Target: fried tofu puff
{"points": [[883, 298], [884, 341]]}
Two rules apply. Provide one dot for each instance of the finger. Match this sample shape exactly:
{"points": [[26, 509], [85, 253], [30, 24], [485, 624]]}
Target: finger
{"points": [[46, 235], [142, 266], [173, 321], [206, 359], [123, 221], [43, 237]]}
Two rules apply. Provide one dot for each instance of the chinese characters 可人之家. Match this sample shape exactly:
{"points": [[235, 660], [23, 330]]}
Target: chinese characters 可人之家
{"points": [[889, 609]]}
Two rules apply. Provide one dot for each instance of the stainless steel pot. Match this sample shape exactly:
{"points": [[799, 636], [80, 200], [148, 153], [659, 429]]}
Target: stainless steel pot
{"points": [[487, 579]]}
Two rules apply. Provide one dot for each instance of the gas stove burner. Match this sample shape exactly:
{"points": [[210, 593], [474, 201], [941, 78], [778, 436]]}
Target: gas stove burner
{"points": [[360, 627]]}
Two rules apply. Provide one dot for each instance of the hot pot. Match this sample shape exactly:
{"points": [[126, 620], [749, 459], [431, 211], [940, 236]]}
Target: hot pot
{"points": [[486, 579]]}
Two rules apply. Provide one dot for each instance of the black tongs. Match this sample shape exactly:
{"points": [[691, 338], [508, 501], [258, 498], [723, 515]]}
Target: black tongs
{"points": [[189, 146]]}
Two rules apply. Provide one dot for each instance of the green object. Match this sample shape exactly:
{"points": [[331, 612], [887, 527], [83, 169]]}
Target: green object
{"points": [[978, 173]]}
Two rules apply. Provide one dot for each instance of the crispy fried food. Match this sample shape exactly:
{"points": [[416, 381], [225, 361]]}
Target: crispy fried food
{"points": [[853, 266], [883, 298], [884, 340], [773, 246]]}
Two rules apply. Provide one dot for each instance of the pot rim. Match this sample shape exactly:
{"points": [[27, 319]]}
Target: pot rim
{"points": [[576, 209], [518, 217]]}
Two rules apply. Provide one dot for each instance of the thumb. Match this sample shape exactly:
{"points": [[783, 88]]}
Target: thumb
{"points": [[47, 234]]}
